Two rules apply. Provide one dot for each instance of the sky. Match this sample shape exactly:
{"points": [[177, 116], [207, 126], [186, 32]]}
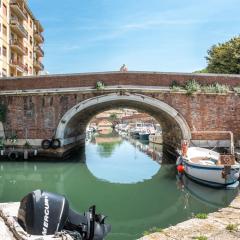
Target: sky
{"points": [[146, 35]]}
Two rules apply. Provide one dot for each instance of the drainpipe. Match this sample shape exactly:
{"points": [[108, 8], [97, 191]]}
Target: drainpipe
{"points": [[214, 132]]}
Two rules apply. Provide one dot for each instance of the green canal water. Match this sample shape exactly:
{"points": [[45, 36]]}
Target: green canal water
{"points": [[125, 180]]}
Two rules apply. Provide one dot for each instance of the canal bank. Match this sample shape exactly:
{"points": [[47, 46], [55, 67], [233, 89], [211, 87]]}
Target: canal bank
{"points": [[223, 224]]}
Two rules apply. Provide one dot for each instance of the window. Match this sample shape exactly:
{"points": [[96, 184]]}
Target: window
{"points": [[4, 30], [30, 40], [4, 51], [4, 9], [30, 70], [30, 55], [31, 23]]}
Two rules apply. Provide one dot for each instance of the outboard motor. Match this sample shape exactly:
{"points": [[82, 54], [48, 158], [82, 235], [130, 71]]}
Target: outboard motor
{"points": [[45, 213]]}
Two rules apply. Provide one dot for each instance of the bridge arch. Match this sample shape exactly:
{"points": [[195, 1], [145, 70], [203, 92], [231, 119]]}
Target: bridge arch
{"points": [[72, 126]]}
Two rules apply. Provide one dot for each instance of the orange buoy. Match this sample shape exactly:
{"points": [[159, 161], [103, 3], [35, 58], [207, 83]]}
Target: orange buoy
{"points": [[180, 168]]}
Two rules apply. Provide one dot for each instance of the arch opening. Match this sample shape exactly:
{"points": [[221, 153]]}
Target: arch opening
{"points": [[72, 126]]}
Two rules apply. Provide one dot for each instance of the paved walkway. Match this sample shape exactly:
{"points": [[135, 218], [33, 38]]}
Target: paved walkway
{"points": [[221, 225]]}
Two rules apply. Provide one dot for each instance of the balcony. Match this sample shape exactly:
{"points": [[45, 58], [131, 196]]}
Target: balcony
{"points": [[18, 28], [38, 65], [17, 64], [18, 9], [39, 52], [38, 37], [17, 46]]}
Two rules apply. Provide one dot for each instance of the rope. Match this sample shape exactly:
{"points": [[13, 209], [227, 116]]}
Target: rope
{"points": [[74, 234]]}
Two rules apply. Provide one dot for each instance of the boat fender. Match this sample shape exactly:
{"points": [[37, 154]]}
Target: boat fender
{"points": [[55, 143], [46, 144], [12, 155], [236, 175], [180, 168]]}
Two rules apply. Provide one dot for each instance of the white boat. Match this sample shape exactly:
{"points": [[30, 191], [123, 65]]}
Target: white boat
{"points": [[209, 167], [156, 138]]}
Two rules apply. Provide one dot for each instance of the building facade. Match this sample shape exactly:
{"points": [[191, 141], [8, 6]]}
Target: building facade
{"points": [[21, 40]]}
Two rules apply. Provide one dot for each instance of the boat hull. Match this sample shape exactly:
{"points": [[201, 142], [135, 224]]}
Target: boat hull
{"points": [[211, 176], [144, 136]]}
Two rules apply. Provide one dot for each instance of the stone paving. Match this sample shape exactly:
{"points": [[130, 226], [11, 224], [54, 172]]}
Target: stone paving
{"points": [[215, 227]]}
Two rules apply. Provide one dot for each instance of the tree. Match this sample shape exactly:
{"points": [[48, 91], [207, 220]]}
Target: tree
{"points": [[224, 57]]}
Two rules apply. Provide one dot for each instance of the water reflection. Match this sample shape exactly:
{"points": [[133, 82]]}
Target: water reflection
{"points": [[151, 197], [209, 196], [119, 162]]}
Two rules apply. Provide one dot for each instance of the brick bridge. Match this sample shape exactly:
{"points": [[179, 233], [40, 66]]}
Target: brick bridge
{"points": [[60, 106]]}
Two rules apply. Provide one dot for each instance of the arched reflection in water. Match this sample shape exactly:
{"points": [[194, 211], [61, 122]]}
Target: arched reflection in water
{"points": [[119, 162], [132, 208]]}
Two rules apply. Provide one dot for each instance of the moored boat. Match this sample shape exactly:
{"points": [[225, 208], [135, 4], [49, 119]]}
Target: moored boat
{"points": [[156, 138], [209, 167]]}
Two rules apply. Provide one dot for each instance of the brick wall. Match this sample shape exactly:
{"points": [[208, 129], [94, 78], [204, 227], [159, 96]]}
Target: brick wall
{"points": [[37, 116]]}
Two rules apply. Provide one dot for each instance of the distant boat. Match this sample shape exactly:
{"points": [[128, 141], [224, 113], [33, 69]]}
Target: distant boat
{"points": [[156, 138], [144, 136], [209, 167]]}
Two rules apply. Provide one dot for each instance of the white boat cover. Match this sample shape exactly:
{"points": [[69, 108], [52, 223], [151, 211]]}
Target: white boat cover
{"points": [[11, 230]]}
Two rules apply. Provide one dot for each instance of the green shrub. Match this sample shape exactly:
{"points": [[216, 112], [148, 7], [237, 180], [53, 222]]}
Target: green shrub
{"points": [[200, 238], [231, 227], [175, 86], [237, 89], [192, 86], [27, 144], [99, 85], [216, 88], [152, 230], [201, 215]]}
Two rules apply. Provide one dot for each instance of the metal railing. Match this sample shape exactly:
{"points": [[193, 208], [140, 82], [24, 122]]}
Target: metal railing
{"points": [[38, 48], [36, 62], [15, 21], [18, 43], [17, 63], [40, 35], [15, 2]]}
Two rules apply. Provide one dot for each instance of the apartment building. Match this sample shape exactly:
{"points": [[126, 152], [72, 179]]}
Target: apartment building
{"points": [[21, 40]]}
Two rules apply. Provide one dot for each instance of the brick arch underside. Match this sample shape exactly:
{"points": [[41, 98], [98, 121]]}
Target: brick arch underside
{"points": [[73, 125]]}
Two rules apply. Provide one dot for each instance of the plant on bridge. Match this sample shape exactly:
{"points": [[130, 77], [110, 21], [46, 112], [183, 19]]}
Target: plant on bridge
{"points": [[216, 88], [192, 86], [99, 85], [237, 89], [175, 86]]}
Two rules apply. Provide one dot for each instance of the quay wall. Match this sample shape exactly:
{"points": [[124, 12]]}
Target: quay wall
{"points": [[223, 224]]}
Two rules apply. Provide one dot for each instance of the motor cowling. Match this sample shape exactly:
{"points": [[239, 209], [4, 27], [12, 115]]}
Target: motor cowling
{"points": [[43, 213]]}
